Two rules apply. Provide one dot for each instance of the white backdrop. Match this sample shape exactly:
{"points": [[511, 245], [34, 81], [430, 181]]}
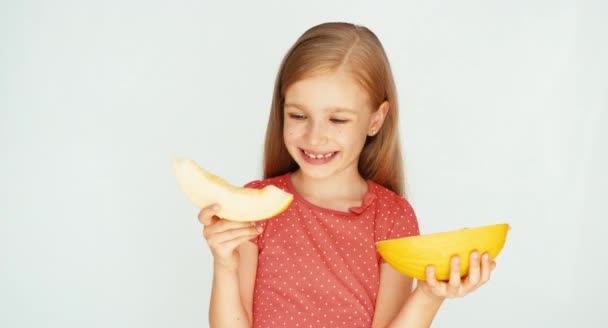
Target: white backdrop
{"points": [[504, 108]]}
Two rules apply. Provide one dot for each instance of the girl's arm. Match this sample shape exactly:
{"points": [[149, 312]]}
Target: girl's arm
{"points": [[232, 290], [398, 306], [247, 272], [234, 266], [394, 290], [418, 311]]}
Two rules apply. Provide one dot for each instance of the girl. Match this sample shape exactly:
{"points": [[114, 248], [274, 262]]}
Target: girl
{"points": [[332, 142]]}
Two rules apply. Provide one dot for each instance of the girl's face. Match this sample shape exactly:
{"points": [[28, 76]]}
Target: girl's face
{"points": [[327, 119]]}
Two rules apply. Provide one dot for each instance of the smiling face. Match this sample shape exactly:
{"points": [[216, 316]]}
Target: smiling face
{"points": [[326, 121]]}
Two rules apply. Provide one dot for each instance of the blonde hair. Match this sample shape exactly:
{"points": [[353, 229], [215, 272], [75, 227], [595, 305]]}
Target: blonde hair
{"points": [[326, 48]]}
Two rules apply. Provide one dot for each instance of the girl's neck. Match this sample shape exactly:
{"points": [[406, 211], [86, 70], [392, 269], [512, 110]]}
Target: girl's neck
{"points": [[346, 185]]}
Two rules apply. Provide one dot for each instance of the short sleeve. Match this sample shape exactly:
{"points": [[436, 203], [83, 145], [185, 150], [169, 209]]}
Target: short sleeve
{"points": [[257, 184], [396, 220]]}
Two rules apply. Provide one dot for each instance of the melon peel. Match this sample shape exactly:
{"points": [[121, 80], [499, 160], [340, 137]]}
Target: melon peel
{"points": [[203, 188], [411, 255]]}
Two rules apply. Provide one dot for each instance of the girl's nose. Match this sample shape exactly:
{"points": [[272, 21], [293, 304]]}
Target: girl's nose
{"points": [[316, 134]]}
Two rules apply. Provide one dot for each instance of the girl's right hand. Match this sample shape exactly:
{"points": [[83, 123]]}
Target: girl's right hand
{"points": [[224, 236]]}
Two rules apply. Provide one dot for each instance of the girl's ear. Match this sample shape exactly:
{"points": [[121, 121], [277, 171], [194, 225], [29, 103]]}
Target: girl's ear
{"points": [[378, 118]]}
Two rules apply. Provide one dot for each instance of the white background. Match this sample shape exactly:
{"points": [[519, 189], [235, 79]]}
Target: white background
{"points": [[504, 112]]}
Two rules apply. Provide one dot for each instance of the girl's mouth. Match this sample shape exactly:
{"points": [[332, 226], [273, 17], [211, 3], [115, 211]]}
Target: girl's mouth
{"points": [[317, 157]]}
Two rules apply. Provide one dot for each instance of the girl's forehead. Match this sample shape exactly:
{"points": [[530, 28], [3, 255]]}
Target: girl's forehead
{"points": [[327, 91]]}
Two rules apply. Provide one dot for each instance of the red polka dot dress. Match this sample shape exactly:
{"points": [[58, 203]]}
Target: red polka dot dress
{"points": [[319, 267]]}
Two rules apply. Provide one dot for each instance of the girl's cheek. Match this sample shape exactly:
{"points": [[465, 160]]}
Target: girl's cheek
{"points": [[289, 135]]}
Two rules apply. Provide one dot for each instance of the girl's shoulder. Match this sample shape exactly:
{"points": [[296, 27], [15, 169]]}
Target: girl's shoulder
{"points": [[394, 217], [387, 197]]}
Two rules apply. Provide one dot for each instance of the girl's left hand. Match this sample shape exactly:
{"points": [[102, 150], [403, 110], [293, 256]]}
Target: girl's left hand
{"points": [[479, 274]]}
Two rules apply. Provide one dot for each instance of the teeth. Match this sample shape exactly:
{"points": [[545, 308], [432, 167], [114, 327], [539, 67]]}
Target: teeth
{"points": [[318, 156]]}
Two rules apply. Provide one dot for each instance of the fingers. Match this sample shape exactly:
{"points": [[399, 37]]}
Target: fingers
{"points": [[227, 235], [430, 277], [224, 245], [432, 287], [205, 216], [223, 225], [234, 243], [454, 283], [485, 268], [478, 274], [217, 231], [224, 236], [474, 271]]}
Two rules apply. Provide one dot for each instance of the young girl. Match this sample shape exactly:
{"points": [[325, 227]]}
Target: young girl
{"points": [[332, 142]]}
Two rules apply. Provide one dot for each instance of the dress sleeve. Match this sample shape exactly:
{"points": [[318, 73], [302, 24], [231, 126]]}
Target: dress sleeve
{"points": [[396, 221]]}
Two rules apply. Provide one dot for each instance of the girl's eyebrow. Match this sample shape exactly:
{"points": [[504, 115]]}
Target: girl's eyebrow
{"points": [[329, 109]]}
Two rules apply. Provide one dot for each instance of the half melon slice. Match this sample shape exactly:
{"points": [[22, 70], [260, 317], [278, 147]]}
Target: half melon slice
{"points": [[203, 188], [411, 255]]}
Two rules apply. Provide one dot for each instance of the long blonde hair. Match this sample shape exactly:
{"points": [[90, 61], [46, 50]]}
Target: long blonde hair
{"points": [[326, 48]]}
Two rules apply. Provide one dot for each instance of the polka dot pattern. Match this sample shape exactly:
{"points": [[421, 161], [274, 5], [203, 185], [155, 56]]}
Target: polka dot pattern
{"points": [[319, 267]]}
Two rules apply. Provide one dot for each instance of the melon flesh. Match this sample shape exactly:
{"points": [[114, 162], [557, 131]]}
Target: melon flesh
{"points": [[203, 188]]}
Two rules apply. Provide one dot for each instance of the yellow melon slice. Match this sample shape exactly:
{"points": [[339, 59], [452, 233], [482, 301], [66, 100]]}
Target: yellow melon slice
{"points": [[411, 255], [236, 203]]}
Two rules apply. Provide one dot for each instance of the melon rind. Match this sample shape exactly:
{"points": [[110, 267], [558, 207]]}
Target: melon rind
{"points": [[203, 188], [411, 255]]}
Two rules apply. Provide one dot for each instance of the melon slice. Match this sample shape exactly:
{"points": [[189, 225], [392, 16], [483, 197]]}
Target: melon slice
{"points": [[203, 188], [411, 255]]}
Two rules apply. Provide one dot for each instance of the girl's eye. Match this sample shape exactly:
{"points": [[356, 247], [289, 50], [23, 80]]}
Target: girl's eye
{"points": [[297, 116], [339, 120]]}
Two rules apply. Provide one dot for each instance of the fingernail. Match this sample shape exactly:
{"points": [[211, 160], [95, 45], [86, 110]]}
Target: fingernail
{"points": [[259, 229], [486, 257], [215, 207], [475, 255]]}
